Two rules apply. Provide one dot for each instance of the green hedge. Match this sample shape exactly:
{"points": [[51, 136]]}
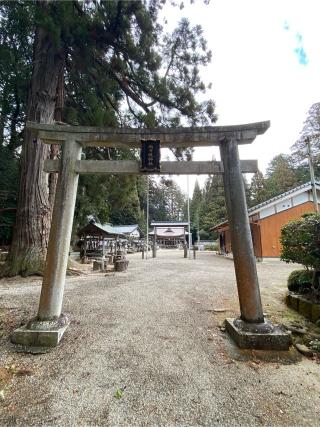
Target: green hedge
{"points": [[211, 247], [300, 281], [300, 240]]}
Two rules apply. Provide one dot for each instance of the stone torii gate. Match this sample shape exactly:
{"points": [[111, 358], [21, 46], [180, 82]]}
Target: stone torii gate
{"points": [[251, 330]]}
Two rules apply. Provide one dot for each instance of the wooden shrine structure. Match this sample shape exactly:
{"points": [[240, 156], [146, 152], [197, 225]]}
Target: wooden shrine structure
{"points": [[96, 239], [169, 234], [50, 324]]}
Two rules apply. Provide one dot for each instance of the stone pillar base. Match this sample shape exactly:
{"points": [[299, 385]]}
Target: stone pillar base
{"points": [[259, 336], [39, 333]]}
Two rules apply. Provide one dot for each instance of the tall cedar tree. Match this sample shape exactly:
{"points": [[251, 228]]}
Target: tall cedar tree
{"points": [[311, 131], [213, 208], [33, 216], [281, 175], [195, 208], [166, 200], [15, 71], [110, 41], [258, 189]]}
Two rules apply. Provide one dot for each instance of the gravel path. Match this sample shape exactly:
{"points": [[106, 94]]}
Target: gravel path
{"points": [[145, 349]]}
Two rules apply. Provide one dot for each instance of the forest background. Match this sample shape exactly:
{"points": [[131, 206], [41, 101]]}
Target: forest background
{"points": [[114, 65]]}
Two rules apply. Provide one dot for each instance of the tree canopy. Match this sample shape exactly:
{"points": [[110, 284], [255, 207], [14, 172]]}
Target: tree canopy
{"points": [[310, 131], [281, 175], [107, 63], [207, 207]]}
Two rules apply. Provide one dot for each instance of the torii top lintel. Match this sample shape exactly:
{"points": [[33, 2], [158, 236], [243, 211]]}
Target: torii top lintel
{"points": [[131, 137]]}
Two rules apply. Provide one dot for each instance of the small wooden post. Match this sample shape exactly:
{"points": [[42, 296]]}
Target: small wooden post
{"points": [[103, 259], [185, 247], [103, 248], [241, 241], [185, 250], [154, 249], [60, 234], [85, 248]]}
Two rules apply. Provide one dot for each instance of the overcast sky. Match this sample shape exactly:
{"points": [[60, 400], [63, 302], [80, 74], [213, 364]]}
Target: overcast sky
{"points": [[265, 66]]}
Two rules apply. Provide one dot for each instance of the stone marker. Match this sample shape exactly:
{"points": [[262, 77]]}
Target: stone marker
{"points": [[121, 265]]}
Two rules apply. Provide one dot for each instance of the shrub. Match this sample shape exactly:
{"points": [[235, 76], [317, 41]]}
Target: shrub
{"points": [[211, 246], [300, 241], [300, 281], [315, 345]]}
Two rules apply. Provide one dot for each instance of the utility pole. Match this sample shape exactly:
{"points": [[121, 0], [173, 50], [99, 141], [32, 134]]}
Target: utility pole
{"points": [[147, 216], [313, 182], [189, 238], [198, 232]]}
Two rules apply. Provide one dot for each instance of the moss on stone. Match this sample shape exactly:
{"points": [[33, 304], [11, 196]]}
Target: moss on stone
{"points": [[305, 308], [315, 312], [293, 301]]}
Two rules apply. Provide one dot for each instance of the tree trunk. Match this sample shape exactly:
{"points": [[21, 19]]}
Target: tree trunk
{"points": [[55, 149], [316, 280], [31, 233]]}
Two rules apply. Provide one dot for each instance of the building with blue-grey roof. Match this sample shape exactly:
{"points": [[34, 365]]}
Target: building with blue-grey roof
{"points": [[267, 219]]}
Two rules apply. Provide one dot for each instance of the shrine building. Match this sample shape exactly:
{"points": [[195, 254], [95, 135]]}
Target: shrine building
{"points": [[267, 219], [169, 234]]}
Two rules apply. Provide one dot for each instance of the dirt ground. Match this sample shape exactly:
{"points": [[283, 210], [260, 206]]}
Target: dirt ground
{"points": [[145, 348]]}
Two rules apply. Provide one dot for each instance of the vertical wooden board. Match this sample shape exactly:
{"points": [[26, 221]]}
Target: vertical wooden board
{"points": [[256, 239], [271, 228]]}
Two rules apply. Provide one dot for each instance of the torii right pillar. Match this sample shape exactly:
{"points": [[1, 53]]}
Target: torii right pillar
{"points": [[251, 329]]}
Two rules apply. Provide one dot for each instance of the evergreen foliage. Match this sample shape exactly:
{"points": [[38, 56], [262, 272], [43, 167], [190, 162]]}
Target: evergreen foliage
{"points": [[9, 172], [121, 68], [281, 175], [195, 210], [258, 189], [166, 200], [207, 207], [213, 208], [15, 71], [311, 131], [300, 240], [300, 281], [16, 40]]}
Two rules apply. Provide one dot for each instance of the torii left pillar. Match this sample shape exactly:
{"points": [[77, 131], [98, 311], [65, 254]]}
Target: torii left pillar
{"points": [[47, 328]]}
